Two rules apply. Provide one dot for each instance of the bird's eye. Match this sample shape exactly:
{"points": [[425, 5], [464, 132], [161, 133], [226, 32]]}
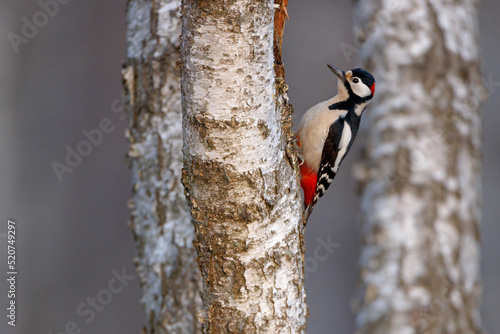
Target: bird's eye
{"points": [[355, 80]]}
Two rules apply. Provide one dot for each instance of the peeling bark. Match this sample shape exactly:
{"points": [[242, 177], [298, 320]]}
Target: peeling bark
{"points": [[241, 184], [280, 16], [420, 178], [161, 222]]}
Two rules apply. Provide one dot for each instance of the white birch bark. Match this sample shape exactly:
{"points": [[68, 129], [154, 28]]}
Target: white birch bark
{"points": [[161, 221], [421, 174], [243, 191]]}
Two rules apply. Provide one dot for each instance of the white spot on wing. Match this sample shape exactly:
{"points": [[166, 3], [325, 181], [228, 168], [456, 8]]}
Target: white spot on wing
{"points": [[344, 142]]}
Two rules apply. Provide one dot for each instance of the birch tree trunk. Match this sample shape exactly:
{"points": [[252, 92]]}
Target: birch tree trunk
{"points": [[421, 180], [161, 221], [243, 190]]}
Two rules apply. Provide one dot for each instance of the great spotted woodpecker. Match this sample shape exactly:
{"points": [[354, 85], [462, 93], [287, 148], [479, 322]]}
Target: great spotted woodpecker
{"points": [[327, 131]]}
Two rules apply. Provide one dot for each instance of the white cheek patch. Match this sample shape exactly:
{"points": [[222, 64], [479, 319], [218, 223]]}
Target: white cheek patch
{"points": [[361, 89]]}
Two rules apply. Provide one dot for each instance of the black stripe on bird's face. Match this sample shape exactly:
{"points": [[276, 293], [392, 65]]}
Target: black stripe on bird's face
{"points": [[352, 101], [364, 76], [360, 87]]}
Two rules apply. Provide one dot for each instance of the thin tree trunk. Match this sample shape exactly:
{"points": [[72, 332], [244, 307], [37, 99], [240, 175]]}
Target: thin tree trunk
{"points": [[243, 191], [161, 221], [421, 175]]}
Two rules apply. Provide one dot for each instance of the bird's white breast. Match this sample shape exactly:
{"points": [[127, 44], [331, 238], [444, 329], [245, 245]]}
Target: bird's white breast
{"points": [[314, 128]]}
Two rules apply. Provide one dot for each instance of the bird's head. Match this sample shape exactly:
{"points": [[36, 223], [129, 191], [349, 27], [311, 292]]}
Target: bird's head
{"points": [[356, 83]]}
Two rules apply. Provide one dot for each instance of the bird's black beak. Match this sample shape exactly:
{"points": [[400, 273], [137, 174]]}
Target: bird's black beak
{"points": [[340, 74]]}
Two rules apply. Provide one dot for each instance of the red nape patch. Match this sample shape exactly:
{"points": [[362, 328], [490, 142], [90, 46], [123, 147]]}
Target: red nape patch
{"points": [[308, 183], [372, 88]]}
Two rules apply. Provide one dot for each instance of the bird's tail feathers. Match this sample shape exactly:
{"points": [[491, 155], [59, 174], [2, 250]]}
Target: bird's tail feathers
{"points": [[307, 212]]}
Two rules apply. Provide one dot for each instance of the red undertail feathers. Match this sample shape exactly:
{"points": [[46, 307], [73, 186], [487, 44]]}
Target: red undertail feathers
{"points": [[308, 183]]}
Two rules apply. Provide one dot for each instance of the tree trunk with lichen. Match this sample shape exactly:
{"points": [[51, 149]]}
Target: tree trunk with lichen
{"points": [[420, 177], [161, 222], [240, 176]]}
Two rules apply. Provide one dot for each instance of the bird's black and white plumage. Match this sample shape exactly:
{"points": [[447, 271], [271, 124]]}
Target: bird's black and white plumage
{"points": [[327, 131]]}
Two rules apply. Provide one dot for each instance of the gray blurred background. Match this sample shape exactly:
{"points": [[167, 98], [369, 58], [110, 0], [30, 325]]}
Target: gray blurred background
{"points": [[73, 234]]}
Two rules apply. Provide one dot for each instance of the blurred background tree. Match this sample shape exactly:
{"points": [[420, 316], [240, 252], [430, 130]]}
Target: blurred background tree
{"points": [[421, 172], [161, 221]]}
